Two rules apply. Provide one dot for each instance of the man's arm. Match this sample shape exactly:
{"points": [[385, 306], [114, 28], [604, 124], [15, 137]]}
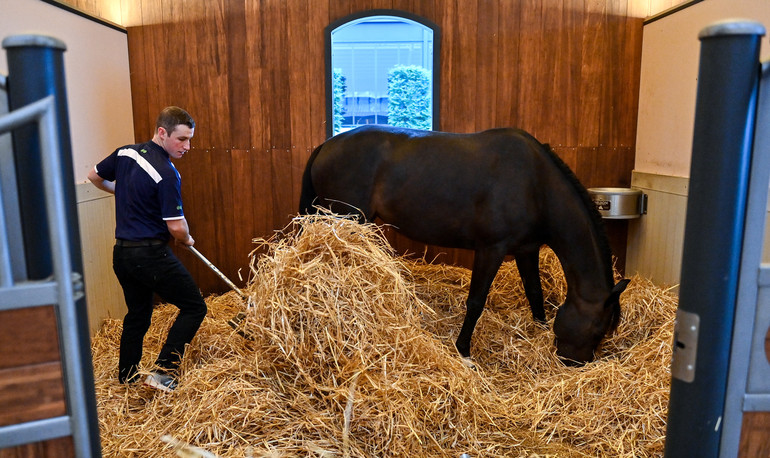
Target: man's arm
{"points": [[101, 183], [180, 231]]}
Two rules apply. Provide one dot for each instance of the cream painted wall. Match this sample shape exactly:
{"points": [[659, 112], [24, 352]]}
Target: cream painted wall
{"points": [[670, 56], [96, 73], [668, 86]]}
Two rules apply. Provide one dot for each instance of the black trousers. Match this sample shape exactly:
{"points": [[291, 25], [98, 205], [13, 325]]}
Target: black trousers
{"points": [[143, 272]]}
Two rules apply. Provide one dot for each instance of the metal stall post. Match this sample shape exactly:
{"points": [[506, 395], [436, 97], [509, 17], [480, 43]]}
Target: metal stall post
{"points": [[721, 158], [48, 215], [42, 57]]}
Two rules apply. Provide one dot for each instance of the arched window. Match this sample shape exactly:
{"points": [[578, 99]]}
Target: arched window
{"points": [[382, 68]]}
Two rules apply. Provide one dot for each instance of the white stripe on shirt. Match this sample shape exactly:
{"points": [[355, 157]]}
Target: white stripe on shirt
{"points": [[143, 163]]}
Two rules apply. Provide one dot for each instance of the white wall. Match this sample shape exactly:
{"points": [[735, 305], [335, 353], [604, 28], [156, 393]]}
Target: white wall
{"points": [[96, 73], [670, 56], [668, 86]]}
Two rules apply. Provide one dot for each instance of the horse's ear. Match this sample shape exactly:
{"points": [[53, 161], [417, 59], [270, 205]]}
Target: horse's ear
{"points": [[618, 289], [614, 302]]}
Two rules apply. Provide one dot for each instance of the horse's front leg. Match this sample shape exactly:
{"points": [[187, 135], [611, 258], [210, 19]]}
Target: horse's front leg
{"points": [[528, 263], [486, 263]]}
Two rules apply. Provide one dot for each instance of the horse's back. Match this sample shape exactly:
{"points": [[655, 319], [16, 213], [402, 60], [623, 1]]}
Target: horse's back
{"points": [[442, 188]]}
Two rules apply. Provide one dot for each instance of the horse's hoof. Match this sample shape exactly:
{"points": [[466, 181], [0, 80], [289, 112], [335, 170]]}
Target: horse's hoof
{"points": [[468, 362]]}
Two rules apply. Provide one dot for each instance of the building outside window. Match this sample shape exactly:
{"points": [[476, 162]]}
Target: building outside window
{"points": [[382, 72]]}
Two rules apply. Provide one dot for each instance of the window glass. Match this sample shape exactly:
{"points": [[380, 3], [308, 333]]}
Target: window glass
{"points": [[381, 70]]}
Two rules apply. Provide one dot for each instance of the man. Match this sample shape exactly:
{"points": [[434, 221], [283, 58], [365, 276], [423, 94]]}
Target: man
{"points": [[148, 208]]}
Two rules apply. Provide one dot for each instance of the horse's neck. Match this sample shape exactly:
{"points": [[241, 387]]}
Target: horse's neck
{"points": [[584, 258]]}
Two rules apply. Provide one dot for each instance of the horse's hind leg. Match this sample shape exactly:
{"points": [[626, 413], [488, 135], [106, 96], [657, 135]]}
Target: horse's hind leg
{"points": [[528, 263], [486, 263]]}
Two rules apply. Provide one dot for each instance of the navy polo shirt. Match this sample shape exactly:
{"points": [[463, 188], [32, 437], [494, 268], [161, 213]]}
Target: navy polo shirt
{"points": [[148, 191]]}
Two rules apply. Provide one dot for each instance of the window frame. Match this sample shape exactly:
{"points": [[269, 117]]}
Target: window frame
{"points": [[381, 12]]}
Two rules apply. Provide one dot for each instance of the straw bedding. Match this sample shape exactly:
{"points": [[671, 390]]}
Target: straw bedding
{"points": [[352, 354]]}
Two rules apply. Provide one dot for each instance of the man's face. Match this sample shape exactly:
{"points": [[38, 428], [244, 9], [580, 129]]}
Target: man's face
{"points": [[177, 142]]}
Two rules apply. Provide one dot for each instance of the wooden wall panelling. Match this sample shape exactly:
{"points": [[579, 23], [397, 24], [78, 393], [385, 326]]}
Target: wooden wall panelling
{"points": [[507, 94], [131, 12], [300, 53], [423, 8], [629, 71], [247, 212], [754, 435], [197, 196], [209, 96], [238, 87], [284, 205], [137, 44], [259, 93], [276, 44], [462, 98], [316, 67], [154, 71], [262, 163], [533, 99], [591, 91], [566, 81], [31, 384], [224, 221], [485, 48], [341, 8], [217, 74]]}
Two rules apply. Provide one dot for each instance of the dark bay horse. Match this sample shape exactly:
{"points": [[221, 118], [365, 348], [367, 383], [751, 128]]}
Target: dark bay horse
{"points": [[498, 192]]}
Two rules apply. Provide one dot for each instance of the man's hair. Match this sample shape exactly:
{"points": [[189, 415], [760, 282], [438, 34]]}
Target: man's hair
{"points": [[171, 117]]}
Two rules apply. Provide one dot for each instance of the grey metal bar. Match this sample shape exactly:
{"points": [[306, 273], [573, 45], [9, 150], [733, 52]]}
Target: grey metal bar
{"points": [[17, 118], [763, 277], [755, 403], [24, 115], [6, 268], [748, 282], [62, 267], [8, 198], [34, 431], [29, 294], [44, 112]]}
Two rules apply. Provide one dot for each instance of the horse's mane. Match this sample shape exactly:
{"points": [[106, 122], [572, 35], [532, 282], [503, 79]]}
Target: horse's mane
{"points": [[595, 216]]}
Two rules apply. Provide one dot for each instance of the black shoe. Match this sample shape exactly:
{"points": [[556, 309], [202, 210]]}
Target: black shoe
{"points": [[160, 381]]}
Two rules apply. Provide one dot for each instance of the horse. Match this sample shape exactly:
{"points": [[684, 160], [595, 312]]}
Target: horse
{"points": [[499, 192]]}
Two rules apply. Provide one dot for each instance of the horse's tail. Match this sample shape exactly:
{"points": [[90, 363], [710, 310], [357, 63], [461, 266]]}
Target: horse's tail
{"points": [[308, 196]]}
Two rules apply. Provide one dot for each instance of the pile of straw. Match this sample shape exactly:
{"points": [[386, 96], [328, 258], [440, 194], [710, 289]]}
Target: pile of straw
{"points": [[353, 355]]}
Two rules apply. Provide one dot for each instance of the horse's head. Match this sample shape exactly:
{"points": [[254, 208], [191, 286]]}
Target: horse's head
{"points": [[580, 327]]}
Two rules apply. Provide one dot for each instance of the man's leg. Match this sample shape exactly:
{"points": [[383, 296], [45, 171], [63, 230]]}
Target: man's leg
{"points": [[137, 321], [178, 287]]}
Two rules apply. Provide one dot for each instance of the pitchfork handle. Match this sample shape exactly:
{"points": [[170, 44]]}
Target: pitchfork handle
{"points": [[216, 271]]}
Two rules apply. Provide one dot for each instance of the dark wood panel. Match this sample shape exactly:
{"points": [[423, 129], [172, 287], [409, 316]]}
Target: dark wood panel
{"points": [[136, 59], [507, 96], [487, 43], [315, 66], [238, 76], [28, 336], [755, 435], [284, 203], [54, 448], [31, 392]]}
